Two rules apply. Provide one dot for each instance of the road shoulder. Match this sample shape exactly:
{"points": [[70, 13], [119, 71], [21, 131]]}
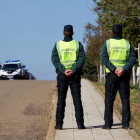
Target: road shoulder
{"points": [[52, 131]]}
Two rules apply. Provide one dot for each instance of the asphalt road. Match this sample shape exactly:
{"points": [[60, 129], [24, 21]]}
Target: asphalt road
{"points": [[25, 109]]}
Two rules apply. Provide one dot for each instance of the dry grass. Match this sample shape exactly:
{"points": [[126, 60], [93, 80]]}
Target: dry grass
{"points": [[134, 105]]}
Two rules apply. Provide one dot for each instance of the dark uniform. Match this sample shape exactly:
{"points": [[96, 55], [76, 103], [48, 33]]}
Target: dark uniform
{"points": [[74, 81], [114, 83]]}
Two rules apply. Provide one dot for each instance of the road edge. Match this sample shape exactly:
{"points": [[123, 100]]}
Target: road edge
{"points": [[131, 131], [51, 131]]}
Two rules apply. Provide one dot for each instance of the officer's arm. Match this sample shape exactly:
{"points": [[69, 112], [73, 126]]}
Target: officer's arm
{"points": [[56, 62], [81, 59], [132, 60], [105, 59]]}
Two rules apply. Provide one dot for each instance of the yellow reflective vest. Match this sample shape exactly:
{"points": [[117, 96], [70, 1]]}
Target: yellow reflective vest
{"points": [[118, 52], [68, 52]]}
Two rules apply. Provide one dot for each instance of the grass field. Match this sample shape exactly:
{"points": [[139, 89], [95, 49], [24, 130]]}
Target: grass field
{"points": [[134, 105]]}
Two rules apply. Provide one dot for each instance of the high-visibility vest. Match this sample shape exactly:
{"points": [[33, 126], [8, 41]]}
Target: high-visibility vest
{"points": [[118, 52], [68, 52]]}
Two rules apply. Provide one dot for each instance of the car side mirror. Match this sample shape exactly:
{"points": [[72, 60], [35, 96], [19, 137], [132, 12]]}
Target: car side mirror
{"points": [[23, 66]]}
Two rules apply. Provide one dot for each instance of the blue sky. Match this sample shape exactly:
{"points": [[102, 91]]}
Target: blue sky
{"points": [[30, 28]]}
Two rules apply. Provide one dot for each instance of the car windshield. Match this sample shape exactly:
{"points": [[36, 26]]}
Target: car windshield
{"points": [[10, 66]]}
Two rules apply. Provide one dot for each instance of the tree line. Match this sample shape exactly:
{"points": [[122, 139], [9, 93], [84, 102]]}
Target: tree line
{"points": [[110, 12]]}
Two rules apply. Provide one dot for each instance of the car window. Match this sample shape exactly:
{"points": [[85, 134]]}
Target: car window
{"points": [[20, 65], [10, 66]]}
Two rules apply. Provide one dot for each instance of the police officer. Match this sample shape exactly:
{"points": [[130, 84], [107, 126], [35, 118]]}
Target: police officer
{"points": [[118, 56], [68, 57]]}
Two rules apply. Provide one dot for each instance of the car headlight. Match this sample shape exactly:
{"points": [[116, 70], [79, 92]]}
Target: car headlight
{"points": [[18, 70]]}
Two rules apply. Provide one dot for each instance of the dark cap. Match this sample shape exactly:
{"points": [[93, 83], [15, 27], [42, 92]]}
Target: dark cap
{"points": [[117, 28], [68, 28]]}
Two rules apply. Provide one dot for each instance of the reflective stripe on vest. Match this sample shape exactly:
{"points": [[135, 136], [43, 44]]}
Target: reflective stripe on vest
{"points": [[118, 52], [68, 52]]}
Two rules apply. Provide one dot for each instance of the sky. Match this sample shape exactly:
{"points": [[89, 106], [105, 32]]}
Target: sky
{"points": [[29, 30]]}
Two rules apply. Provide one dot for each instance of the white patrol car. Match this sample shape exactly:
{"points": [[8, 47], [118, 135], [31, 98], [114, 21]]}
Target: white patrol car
{"points": [[13, 69]]}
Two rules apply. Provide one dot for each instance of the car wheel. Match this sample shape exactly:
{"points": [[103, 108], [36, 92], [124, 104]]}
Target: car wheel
{"points": [[22, 74]]}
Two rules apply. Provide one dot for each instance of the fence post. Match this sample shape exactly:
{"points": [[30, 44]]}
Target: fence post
{"points": [[104, 74], [139, 61], [134, 76], [100, 73]]}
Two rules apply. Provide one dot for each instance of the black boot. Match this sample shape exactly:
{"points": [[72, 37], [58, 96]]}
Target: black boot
{"points": [[58, 126], [106, 127], [81, 126], [125, 127]]}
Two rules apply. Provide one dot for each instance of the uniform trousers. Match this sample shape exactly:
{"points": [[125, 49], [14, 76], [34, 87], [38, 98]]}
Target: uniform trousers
{"points": [[63, 82], [114, 83]]}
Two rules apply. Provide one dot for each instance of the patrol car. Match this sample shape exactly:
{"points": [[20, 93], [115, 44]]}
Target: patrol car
{"points": [[13, 69]]}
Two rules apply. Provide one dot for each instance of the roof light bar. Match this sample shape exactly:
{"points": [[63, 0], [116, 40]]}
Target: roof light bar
{"points": [[10, 61]]}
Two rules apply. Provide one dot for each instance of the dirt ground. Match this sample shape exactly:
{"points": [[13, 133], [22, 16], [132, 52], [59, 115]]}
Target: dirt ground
{"points": [[25, 109]]}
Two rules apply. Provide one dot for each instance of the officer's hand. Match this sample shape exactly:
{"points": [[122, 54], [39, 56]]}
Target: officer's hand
{"points": [[119, 72], [67, 72], [70, 73]]}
